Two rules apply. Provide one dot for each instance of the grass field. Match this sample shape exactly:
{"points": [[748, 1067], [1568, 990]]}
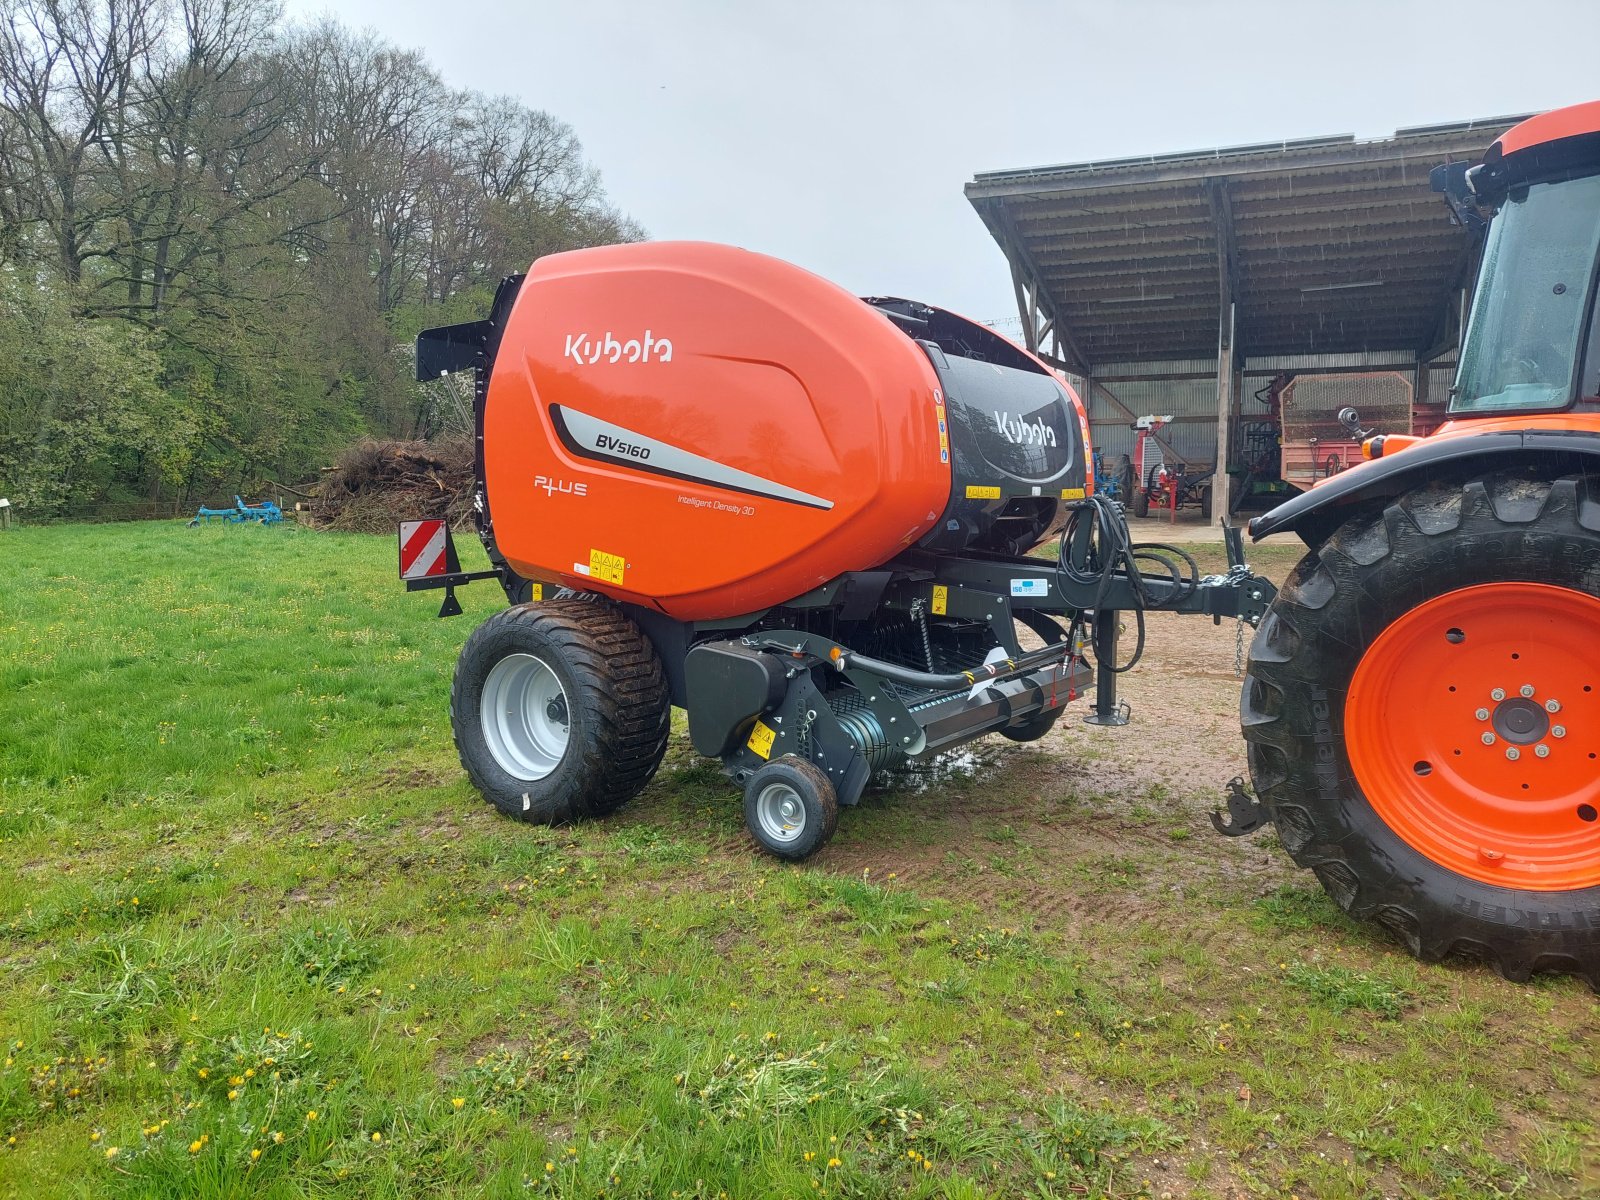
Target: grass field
{"points": [[260, 938]]}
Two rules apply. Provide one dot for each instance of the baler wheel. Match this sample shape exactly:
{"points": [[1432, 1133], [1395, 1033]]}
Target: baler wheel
{"points": [[791, 808], [1423, 716], [560, 710]]}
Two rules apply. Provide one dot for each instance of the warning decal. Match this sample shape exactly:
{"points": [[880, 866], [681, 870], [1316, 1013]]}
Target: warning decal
{"points": [[422, 549], [941, 599], [1072, 493], [980, 492], [608, 568], [761, 739]]}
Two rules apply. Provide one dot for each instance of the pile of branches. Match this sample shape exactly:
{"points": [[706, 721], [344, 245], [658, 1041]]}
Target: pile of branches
{"points": [[377, 484]]}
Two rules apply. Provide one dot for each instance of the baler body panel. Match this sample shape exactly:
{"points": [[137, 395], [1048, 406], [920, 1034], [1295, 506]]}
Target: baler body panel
{"points": [[711, 432]]}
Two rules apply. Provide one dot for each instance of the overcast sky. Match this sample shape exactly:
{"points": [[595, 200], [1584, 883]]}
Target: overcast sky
{"points": [[839, 134]]}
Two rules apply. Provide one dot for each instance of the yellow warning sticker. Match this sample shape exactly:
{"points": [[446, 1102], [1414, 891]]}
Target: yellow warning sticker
{"points": [[1072, 493], [761, 739], [941, 599], [981, 492], [537, 593], [607, 568]]}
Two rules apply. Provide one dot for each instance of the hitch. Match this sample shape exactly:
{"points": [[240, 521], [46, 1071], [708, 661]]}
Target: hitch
{"points": [[1246, 814]]}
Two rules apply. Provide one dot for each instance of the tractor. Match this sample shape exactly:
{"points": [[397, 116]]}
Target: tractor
{"points": [[1422, 701]]}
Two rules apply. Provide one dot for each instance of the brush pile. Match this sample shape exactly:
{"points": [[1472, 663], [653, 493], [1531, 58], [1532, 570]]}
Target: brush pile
{"points": [[376, 485]]}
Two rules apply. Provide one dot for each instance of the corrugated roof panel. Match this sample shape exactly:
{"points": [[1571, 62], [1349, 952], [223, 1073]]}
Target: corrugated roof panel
{"points": [[1126, 249]]}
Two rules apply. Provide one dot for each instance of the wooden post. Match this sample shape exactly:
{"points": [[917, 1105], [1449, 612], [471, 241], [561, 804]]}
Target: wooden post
{"points": [[5, 514]]}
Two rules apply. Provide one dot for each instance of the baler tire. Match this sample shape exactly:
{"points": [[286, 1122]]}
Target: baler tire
{"points": [[808, 786], [1033, 729], [615, 695], [1205, 502], [1420, 858]]}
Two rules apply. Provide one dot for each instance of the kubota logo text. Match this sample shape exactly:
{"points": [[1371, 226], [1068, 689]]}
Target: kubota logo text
{"points": [[1024, 433], [586, 350]]}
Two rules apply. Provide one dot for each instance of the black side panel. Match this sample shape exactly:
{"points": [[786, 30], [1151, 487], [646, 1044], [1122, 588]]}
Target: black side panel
{"points": [[450, 348], [729, 685], [1017, 451]]}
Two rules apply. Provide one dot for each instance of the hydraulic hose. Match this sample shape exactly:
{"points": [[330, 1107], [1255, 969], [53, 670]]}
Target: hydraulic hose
{"points": [[1093, 557]]}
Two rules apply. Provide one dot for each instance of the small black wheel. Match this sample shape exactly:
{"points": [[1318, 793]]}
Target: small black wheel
{"points": [[560, 710], [1205, 503], [1141, 495], [791, 808], [1033, 728]]}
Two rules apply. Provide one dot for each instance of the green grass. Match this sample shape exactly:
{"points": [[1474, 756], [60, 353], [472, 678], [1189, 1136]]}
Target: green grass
{"points": [[245, 882]]}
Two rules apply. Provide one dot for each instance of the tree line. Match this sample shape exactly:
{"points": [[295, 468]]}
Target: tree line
{"points": [[219, 232]]}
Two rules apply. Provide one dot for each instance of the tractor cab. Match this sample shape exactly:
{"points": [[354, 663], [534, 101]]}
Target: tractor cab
{"points": [[1533, 339]]}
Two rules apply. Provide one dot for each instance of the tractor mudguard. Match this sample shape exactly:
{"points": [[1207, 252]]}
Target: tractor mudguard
{"points": [[1314, 515]]}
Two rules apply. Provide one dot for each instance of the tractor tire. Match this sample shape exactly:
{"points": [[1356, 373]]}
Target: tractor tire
{"points": [[1422, 711], [560, 710], [1205, 502], [791, 808]]}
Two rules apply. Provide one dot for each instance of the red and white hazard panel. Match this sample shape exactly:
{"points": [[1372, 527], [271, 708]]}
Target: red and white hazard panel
{"points": [[423, 546]]}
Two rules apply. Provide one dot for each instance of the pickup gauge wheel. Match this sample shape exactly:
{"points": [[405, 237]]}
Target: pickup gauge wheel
{"points": [[791, 808]]}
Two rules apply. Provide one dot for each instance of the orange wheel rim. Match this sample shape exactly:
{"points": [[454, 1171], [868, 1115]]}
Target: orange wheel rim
{"points": [[1473, 724]]}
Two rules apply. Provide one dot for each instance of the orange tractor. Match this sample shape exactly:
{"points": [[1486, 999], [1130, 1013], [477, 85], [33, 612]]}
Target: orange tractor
{"points": [[1422, 704]]}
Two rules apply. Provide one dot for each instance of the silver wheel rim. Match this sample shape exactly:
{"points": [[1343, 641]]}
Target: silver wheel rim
{"points": [[780, 812], [525, 718]]}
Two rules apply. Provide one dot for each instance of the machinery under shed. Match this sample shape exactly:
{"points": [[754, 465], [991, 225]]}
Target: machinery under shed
{"points": [[1201, 285]]}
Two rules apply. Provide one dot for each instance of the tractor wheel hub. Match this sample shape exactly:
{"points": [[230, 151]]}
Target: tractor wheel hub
{"points": [[1520, 721]]}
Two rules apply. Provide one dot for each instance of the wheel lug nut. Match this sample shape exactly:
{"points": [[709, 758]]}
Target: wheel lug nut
{"points": [[1552, 706], [1498, 694], [1488, 739], [1526, 690], [1513, 753], [1542, 750], [1558, 731], [1482, 714]]}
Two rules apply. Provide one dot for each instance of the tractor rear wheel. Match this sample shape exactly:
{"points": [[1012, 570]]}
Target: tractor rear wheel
{"points": [[560, 710], [1423, 716]]}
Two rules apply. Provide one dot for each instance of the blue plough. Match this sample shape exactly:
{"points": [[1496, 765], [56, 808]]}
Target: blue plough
{"points": [[265, 513]]}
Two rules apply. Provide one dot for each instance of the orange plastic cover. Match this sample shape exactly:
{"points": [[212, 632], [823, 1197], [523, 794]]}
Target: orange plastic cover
{"points": [[704, 430]]}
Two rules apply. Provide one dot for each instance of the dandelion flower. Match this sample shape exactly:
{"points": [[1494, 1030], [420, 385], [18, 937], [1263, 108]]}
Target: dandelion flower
{"points": [[194, 1146], [834, 1162], [255, 1154], [277, 1138], [459, 1103], [376, 1137], [549, 1166], [95, 1136], [113, 1151], [312, 1115]]}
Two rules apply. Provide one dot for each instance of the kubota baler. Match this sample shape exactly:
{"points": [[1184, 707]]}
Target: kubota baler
{"points": [[713, 480]]}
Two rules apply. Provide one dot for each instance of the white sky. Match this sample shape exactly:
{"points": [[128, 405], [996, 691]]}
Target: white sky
{"points": [[839, 134]]}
